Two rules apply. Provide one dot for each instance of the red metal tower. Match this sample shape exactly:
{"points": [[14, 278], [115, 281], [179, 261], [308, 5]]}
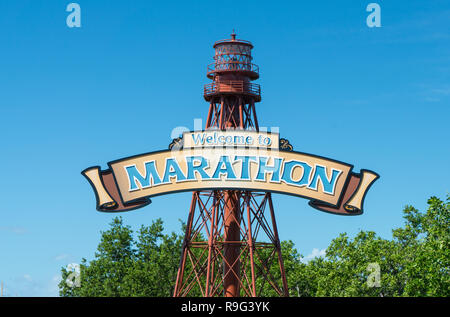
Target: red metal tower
{"points": [[230, 248]]}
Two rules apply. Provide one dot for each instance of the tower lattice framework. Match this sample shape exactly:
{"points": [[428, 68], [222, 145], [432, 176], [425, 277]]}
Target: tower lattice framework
{"points": [[231, 246]]}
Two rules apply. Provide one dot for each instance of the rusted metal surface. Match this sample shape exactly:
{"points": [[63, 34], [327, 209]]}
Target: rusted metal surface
{"points": [[244, 67], [232, 87], [231, 245]]}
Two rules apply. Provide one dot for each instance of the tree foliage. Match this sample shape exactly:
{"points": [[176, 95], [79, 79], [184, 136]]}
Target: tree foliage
{"points": [[125, 267], [415, 262]]}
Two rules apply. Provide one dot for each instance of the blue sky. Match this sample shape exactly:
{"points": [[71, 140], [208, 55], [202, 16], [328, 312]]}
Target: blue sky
{"points": [[70, 98]]}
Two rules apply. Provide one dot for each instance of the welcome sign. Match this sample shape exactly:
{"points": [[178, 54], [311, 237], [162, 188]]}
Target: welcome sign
{"points": [[235, 160]]}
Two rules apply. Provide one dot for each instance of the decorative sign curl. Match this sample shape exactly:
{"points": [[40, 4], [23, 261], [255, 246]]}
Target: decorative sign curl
{"points": [[244, 160]]}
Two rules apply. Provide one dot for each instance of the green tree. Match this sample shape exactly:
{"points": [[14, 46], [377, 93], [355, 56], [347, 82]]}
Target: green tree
{"points": [[426, 241], [124, 267], [415, 262]]}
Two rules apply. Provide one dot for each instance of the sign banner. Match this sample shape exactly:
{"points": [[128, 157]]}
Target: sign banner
{"points": [[221, 160], [245, 138]]}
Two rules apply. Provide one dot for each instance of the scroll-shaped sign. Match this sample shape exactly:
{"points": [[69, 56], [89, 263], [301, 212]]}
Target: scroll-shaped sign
{"points": [[240, 160]]}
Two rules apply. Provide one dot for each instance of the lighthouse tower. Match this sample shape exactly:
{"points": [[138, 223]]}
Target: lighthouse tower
{"points": [[231, 246]]}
